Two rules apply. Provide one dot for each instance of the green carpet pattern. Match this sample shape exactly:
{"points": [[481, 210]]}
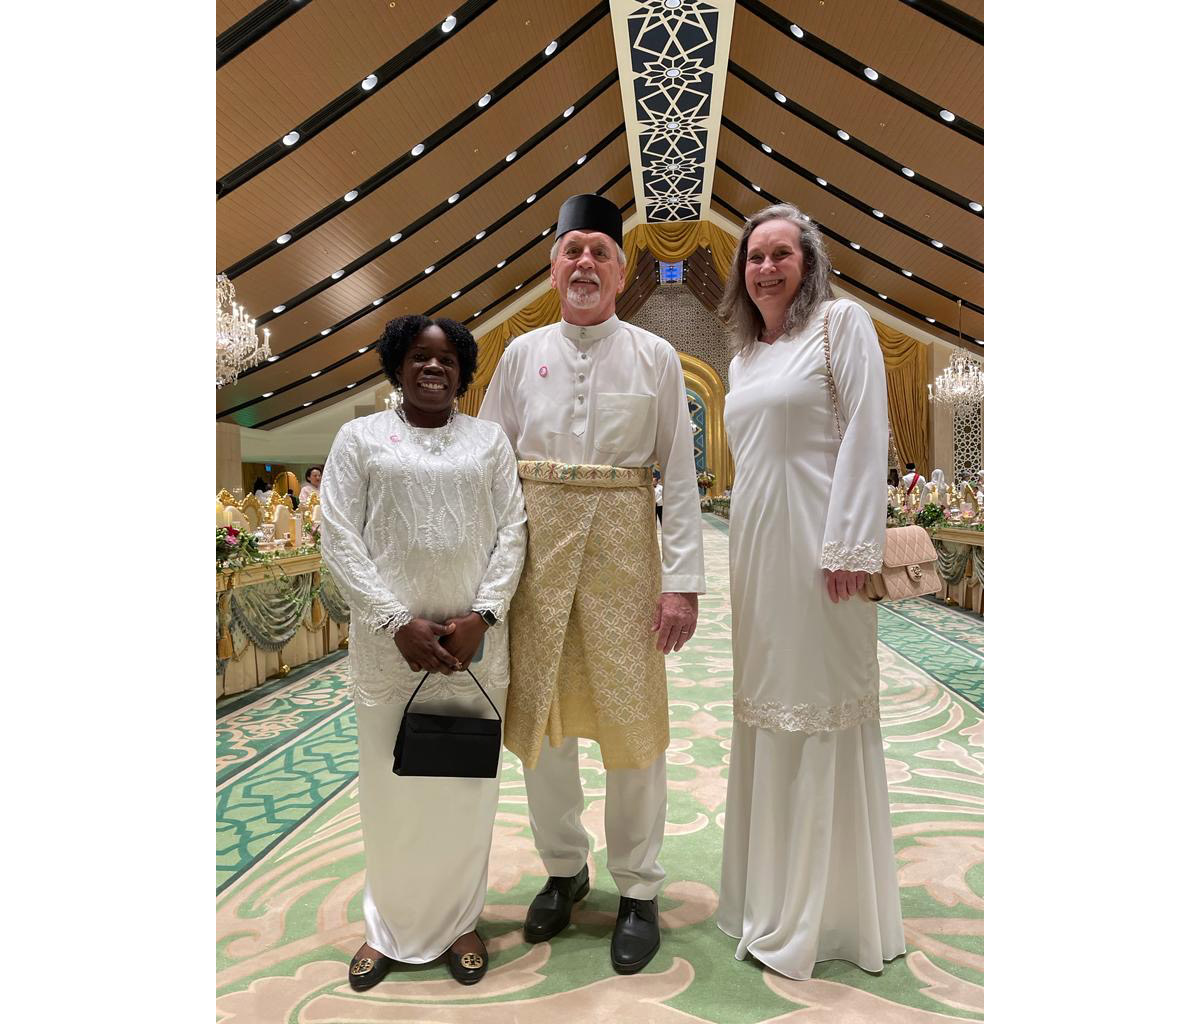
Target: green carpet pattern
{"points": [[290, 860]]}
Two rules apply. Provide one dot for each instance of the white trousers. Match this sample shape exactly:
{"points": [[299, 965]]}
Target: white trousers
{"points": [[635, 814]]}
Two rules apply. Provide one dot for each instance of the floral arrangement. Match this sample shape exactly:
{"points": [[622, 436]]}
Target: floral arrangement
{"points": [[930, 516], [704, 479], [313, 532], [236, 548]]}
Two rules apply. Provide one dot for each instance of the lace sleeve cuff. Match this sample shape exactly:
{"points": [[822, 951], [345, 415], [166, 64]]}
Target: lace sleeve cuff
{"points": [[496, 606], [866, 557], [388, 618]]}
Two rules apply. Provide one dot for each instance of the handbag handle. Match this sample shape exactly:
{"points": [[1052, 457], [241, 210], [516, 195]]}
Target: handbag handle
{"points": [[470, 673]]}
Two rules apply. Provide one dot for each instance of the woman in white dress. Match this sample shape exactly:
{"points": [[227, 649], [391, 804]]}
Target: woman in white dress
{"points": [[809, 871], [424, 533]]}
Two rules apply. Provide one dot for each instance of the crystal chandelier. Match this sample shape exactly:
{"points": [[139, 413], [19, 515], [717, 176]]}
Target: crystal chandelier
{"points": [[238, 345], [961, 383]]}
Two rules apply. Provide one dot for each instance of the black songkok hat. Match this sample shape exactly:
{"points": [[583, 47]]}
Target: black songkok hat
{"points": [[590, 213]]}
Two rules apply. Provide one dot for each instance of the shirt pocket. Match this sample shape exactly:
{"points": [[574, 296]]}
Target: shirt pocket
{"points": [[621, 422]]}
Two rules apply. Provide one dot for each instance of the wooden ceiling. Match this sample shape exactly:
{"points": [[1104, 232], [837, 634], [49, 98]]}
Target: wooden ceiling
{"points": [[291, 65]]}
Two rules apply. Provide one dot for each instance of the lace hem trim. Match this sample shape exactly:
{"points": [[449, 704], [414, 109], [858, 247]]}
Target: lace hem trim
{"points": [[808, 718], [388, 619], [866, 557]]}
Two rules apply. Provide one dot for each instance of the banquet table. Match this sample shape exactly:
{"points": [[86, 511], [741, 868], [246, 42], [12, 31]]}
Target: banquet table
{"points": [[273, 617], [960, 566]]}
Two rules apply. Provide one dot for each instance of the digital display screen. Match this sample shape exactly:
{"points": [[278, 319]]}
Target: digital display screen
{"points": [[670, 273]]}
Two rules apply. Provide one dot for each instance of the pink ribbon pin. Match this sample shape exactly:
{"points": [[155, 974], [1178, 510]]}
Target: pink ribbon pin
{"points": [[543, 371]]}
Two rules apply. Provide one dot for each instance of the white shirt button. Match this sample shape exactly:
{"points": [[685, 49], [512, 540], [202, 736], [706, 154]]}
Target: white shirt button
{"points": [[579, 398], [582, 355], [581, 376]]}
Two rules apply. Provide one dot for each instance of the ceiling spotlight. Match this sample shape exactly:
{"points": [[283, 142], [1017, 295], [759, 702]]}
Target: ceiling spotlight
{"points": [[453, 199], [871, 73], [838, 272], [455, 295], [268, 394], [485, 99], [369, 83], [673, 126], [569, 111], [511, 157], [756, 188], [395, 238], [878, 213], [908, 172], [279, 309], [349, 386], [376, 302], [935, 243], [531, 198], [315, 373], [546, 232], [350, 196], [931, 320], [336, 274], [881, 295], [449, 23], [500, 264], [780, 96], [946, 115], [306, 405], [430, 270], [843, 135], [579, 162], [418, 149], [797, 31], [476, 313], [326, 331], [272, 359], [672, 5], [766, 148], [361, 351], [480, 235], [549, 50], [822, 182], [673, 72], [518, 287], [291, 138], [855, 245], [906, 273], [976, 207], [285, 238]]}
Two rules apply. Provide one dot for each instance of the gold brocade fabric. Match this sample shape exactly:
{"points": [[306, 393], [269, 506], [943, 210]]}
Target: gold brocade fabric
{"points": [[583, 660]]}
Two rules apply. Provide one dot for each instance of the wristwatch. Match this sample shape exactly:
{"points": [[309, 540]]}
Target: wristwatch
{"points": [[488, 618]]}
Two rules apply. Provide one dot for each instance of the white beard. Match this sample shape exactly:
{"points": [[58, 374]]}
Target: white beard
{"points": [[582, 298]]}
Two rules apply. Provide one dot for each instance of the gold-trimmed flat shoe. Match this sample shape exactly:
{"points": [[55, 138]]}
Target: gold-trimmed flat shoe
{"points": [[368, 971], [468, 968]]}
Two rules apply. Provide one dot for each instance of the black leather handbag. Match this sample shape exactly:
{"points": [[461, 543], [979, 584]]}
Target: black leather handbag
{"points": [[447, 746]]}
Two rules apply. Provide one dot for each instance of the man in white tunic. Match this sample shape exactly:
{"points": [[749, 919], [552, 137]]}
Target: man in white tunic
{"points": [[590, 404]]}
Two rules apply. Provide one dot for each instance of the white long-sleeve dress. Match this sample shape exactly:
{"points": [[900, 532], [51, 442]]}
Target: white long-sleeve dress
{"points": [[421, 523], [808, 872]]}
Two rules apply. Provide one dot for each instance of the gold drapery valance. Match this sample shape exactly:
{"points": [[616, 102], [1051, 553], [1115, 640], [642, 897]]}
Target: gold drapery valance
{"points": [[906, 366]]}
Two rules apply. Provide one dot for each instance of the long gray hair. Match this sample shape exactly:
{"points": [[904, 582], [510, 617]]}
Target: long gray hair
{"points": [[738, 310]]}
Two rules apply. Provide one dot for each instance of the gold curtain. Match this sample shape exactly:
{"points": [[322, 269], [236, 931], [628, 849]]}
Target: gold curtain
{"points": [[906, 363], [667, 242]]}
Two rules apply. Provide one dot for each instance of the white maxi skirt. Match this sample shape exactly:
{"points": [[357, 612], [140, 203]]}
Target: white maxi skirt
{"points": [[809, 869], [427, 840]]}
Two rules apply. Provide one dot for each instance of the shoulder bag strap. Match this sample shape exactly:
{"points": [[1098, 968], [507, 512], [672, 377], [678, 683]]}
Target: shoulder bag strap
{"points": [[837, 412]]}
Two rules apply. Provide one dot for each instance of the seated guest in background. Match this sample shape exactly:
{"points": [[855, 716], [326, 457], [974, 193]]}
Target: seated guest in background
{"points": [[425, 536], [809, 869], [261, 491], [312, 483]]}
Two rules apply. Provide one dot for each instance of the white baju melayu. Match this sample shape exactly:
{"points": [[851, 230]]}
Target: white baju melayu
{"points": [[611, 394], [425, 523], [809, 869]]}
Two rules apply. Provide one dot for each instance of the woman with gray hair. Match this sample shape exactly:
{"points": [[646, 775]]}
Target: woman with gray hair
{"points": [[809, 870]]}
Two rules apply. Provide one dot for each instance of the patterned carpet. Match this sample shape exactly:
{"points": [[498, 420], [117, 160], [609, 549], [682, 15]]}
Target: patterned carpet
{"points": [[290, 862]]}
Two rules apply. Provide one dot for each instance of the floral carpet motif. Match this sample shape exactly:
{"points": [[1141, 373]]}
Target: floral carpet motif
{"points": [[290, 859]]}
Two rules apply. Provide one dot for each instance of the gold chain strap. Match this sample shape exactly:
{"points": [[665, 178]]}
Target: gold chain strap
{"points": [[837, 411]]}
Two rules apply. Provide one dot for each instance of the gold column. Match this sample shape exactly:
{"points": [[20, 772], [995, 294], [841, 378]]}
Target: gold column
{"points": [[706, 382]]}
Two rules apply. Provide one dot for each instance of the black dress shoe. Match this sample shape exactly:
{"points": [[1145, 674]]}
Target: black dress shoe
{"points": [[550, 911], [468, 968], [368, 971], [635, 938]]}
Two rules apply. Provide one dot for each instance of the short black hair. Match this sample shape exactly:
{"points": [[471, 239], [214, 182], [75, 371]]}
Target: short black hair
{"points": [[401, 332], [910, 466], [309, 472]]}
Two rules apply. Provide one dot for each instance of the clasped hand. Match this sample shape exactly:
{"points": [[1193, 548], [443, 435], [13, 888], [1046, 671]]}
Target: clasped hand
{"points": [[444, 647], [843, 584], [675, 620]]}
